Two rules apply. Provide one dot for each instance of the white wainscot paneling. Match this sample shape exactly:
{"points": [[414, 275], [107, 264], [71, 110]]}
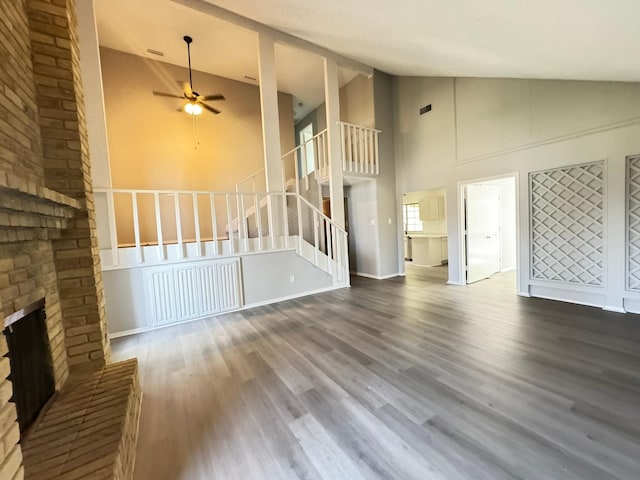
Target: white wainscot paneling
{"points": [[208, 286], [177, 293], [229, 285], [160, 297], [187, 298]]}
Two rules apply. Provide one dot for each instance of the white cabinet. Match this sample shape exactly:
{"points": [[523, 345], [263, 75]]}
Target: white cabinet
{"points": [[432, 208], [429, 250], [228, 285], [176, 293], [207, 288], [186, 295], [161, 297]]}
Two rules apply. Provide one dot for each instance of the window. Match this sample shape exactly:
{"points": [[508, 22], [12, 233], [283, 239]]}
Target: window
{"points": [[411, 215], [306, 136]]}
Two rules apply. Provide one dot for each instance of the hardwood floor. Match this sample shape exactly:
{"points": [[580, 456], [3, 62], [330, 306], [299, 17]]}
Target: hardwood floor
{"points": [[399, 379]]}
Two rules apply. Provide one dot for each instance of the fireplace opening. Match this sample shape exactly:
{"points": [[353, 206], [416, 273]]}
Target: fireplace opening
{"points": [[31, 362]]}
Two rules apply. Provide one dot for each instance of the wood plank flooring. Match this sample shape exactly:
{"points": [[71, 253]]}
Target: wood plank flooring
{"points": [[398, 379]]}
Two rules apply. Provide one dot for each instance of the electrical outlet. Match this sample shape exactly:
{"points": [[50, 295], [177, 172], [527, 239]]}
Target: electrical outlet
{"points": [[292, 278]]}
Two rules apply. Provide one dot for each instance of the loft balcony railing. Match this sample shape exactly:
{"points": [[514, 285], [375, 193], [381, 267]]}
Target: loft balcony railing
{"points": [[360, 157], [148, 227]]}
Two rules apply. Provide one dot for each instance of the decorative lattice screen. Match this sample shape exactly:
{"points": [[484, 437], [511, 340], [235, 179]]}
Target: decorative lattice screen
{"points": [[567, 224], [633, 223]]}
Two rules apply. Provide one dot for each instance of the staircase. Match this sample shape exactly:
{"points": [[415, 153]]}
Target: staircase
{"points": [[156, 227]]}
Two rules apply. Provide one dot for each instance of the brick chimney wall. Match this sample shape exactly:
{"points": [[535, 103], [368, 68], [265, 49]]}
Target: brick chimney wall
{"points": [[48, 243]]}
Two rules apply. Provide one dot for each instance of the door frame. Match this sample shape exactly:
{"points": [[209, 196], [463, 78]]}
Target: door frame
{"points": [[462, 236]]}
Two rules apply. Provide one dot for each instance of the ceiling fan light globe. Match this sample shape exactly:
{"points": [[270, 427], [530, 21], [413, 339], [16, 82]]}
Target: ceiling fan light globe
{"points": [[193, 108]]}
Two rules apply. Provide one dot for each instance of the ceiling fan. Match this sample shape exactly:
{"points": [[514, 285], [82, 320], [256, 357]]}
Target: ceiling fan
{"points": [[195, 102]]}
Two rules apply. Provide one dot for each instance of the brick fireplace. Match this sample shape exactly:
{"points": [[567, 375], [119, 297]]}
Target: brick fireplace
{"points": [[48, 243]]}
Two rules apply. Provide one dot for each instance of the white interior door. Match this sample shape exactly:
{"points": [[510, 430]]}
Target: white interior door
{"points": [[483, 231]]}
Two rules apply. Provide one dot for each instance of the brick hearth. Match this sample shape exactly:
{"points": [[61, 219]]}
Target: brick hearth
{"points": [[48, 242]]}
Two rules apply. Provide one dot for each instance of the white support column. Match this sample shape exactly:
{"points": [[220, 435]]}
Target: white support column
{"points": [[332, 99], [270, 116], [270, 129], [93, 94]]}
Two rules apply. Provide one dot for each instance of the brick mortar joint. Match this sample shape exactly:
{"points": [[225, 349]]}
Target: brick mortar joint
{"points": [[31, 191]]}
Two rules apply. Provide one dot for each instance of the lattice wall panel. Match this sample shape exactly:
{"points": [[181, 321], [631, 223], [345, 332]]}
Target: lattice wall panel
{"points": [[633, 223], [567, 224]]}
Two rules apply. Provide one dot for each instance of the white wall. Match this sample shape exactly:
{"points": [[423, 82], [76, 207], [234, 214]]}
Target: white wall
{"points": [[481, 128]]}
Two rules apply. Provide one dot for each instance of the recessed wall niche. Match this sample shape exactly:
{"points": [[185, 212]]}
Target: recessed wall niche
{"points": [[633, 223], [567, 224]]}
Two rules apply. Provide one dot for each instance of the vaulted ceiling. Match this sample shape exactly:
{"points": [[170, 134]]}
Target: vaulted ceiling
{"points": [[555, 39]]}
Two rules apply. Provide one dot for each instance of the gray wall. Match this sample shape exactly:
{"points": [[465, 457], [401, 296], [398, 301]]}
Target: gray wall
{"points": [[389, 205], [363, 231], [265, 278], [483, 128]]}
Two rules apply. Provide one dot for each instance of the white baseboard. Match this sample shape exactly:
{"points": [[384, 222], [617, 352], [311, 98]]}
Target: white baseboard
{"points": [[291, 297], [611, 308], [134, 331], [524, 294], [378, 277], [508, 269], [452, 282]]}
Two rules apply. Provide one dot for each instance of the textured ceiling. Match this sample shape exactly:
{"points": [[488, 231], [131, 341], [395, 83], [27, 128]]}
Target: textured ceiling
{"points": [[556, 39]]}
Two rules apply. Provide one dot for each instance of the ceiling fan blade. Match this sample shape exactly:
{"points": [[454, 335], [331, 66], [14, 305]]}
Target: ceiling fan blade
{"points": [[208, 98], [186, 88], [211, 109], [162, 94]]}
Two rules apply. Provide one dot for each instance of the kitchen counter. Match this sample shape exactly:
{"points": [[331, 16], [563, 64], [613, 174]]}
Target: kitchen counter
{"points": [[427, 235], [428, 249]]}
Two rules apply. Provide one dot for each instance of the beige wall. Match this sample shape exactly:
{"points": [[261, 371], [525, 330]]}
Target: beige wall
{"points": [[356, 106], [356, 102], [154, 146]]}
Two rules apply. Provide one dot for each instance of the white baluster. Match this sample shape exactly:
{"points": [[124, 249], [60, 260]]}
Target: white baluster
{"points": [[299, 223], [196, 223], [156, 203], [136, 226], [176, 202], [214, 223], [245, 223], [230, 224], [111, 212], [315, 238], [285, 216], [258, 216], [365, 166]]}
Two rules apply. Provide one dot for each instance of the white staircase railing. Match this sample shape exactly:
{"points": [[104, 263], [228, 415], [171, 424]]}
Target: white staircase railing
{"points": [[256, 182], [360, 153], [147, 227], [360, 156]]}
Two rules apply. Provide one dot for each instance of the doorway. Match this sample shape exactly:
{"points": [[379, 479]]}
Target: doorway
{"points": [[490, 228]]}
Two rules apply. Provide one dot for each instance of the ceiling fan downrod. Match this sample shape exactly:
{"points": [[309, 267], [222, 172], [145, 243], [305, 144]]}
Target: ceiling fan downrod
{"points": [[188, 41]]}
